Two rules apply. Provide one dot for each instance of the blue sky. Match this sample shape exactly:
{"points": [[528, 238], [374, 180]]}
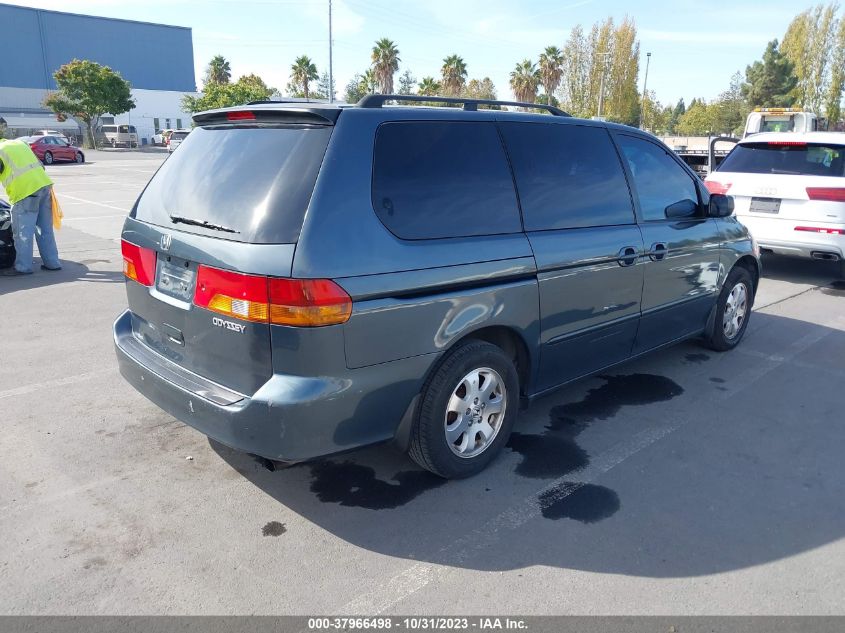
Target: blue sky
{"points": [[696, 46]]}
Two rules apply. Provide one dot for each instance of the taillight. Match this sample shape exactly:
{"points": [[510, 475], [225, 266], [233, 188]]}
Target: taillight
{"points": [[829, 194], [789, 143], [308, 302], [820, 229], [139, 264], [240, 115], [717, 187], [232, 294], [295, 302]]}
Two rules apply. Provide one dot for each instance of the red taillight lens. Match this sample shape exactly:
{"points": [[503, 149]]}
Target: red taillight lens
{"points": [[232, 294], [240, 115], [139, 263], [829, 194], [820, 229], [717, 187], [294, 302], [308, 302]]}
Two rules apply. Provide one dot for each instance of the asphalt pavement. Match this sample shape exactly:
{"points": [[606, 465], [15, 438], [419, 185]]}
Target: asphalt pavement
{"points": [[687, 482]]}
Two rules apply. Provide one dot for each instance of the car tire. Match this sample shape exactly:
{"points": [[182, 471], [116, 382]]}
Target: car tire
{"points": [[455, 443], [733, 310], [80, 158], [48, 158]]}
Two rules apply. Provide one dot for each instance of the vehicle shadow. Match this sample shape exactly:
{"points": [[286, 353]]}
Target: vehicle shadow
{"points": [[799, 270], [752, 475], [71, 272]]}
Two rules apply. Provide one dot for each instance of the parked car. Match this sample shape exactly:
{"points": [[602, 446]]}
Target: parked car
{"points": [[175, 139], [7, 241], [789, 190], [161, 136], [451, 265], [120, 135], [50, 149]]}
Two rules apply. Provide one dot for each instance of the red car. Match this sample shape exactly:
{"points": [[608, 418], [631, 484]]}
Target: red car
{"points": [[50, 149]]}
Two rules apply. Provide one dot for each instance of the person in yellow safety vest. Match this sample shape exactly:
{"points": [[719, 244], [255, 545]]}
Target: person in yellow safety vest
{"points": [[29, 190]]}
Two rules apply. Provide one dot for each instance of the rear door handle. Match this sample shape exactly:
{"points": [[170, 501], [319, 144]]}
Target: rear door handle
{"points": [[658, 251], [627, 256]]}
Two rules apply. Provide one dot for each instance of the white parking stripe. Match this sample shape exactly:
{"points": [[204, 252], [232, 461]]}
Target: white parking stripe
{"points": [[98, 204], [58, 382]]}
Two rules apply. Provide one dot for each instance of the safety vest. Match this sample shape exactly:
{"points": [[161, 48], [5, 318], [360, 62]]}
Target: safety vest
{"points": [[21, 173]]}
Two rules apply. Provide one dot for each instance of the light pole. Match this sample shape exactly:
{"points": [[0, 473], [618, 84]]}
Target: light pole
{"points": [[604, 57], [331, 76], [645, 91]]}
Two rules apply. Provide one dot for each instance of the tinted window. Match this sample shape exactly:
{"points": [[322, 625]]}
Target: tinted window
{"points": [[109, 129], [660, 181], [256, 181], [434, 179], [813, 159], [179, 136], [568, 176]]}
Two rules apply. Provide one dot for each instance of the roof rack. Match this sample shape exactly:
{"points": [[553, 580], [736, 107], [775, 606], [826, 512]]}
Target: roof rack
{"points": [[470, 105]]}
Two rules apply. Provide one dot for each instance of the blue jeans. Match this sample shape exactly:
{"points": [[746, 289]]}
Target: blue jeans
{"points": [[32, 217]]}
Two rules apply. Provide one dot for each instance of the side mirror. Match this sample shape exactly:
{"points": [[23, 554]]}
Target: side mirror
{"points": [[721, 206], [682, 209]]}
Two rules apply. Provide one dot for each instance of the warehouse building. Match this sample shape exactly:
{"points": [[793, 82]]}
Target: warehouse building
{"points": [[156, 59]]}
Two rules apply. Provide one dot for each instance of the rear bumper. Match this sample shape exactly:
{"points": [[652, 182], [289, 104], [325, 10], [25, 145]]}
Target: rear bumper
{"points": [[802, 249], [780, 237], [290, 418]]}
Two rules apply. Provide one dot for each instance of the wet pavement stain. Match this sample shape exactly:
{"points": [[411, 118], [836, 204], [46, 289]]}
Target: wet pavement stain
{"points": [[273, 528], [696, 358], [718, 381], [587, 503], [546, 456], [602, 403], [555, 453], [356, 486]]}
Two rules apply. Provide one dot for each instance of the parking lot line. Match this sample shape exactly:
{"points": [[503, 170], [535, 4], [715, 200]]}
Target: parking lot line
{"points": [[58, 382], [99, 204]]}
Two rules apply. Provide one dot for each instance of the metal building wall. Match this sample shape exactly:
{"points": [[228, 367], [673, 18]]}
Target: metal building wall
{"points": [[149, 56]]}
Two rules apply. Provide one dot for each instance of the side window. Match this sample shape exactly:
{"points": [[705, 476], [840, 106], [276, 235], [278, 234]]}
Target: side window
{"points": [[568, 176], [660, 182], [438, 179]]}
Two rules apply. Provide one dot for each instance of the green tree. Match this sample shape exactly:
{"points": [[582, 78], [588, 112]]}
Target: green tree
{"points": [[525, 79], [677, 112], [303, 72], [407, 81], [810, 44], [551, 70], [323, 90], [697, 120], [246, 89], [218, 71], [454, 75], [833, 98], [770, 82], [385, 62], [576, 89], [481, 89], [730, 110], [87, 90], [429, 87]]}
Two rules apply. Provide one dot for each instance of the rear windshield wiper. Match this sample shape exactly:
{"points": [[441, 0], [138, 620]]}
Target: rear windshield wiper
{"points": [[176, 219]]}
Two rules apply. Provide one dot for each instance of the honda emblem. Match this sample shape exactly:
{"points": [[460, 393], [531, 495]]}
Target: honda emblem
{"points": [[166, 239]]}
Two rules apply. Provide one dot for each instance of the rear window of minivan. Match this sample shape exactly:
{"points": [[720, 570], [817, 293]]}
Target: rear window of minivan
{"points": [[256, 182], [793, 158], [441, 179]]}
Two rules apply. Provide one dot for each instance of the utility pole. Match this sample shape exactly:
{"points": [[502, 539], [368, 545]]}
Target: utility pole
{"points": [[604, 57], [331, 74], [645, 91]]}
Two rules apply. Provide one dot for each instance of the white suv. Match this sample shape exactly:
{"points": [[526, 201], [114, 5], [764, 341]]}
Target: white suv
{"points": [[789, 191]]}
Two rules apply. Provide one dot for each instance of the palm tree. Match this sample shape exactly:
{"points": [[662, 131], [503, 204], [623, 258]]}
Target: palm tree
{"points": [[369, 82], [551, 70], [385, 60], [454, 72], [219, 71], [525, 79], [429, 87], [303, 71]]}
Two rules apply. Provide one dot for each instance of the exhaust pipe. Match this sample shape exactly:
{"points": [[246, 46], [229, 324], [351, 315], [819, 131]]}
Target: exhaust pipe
{"points": [[828, 257]]}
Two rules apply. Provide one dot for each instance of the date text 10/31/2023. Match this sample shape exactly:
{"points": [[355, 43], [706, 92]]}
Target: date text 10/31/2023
{"points": [[432, 623]]}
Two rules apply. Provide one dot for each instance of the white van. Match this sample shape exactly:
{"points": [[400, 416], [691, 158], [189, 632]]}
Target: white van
{"points": [[120, 135]]}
